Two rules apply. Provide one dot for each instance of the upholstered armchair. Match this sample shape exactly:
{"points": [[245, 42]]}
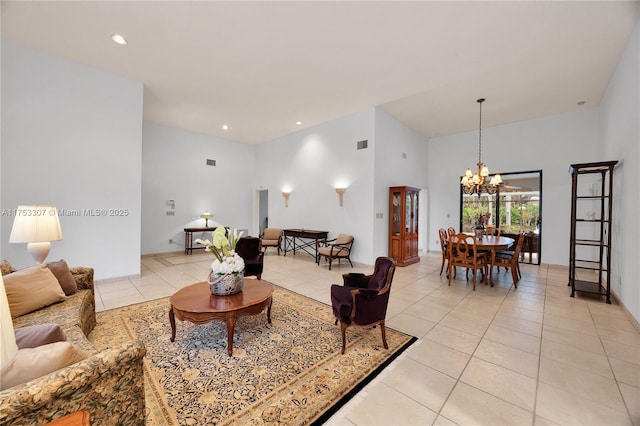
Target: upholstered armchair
{"points": [[248, 248], [363, 299], [272, 237], [338, 248]]}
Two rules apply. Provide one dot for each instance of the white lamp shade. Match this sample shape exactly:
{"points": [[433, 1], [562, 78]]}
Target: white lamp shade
{"points": [[8, 347], [35, 224]]}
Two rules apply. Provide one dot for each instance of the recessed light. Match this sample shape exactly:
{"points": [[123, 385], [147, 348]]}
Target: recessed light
{"points": [[225, 127], [299, 123], [119, 39], [581, 103]]}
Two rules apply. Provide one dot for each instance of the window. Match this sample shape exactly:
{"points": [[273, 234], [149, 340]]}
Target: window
{"points": [[515, 208]]}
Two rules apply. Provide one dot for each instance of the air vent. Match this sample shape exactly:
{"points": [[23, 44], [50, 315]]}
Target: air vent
{"points": [[211, 162], [363, 144]]}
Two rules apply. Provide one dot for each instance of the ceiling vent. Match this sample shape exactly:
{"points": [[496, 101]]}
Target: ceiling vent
{"points": [[211, 162], [362, 144]]}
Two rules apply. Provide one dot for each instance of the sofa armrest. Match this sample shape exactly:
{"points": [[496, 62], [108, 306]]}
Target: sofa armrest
{"points": [[83, 277], [108, 384]]}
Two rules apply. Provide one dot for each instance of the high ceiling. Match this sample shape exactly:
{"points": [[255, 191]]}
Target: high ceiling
{"points": [[259, 67]]}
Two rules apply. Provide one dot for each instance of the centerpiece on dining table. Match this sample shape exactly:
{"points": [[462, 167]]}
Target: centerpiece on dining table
{"points": [[227, 270], [483, 219]]}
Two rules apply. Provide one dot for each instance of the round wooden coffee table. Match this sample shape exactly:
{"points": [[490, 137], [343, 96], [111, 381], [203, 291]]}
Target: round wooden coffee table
{"points": [[196, 304]]}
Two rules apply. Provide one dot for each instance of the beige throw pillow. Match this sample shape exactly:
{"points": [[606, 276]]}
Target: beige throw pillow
{"points": [[32, 363], [31, 289]]}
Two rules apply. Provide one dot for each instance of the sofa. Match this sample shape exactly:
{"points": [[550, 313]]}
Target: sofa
{"points": [[109, 384]]}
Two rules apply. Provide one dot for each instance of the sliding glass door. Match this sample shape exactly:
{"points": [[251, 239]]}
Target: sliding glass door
{"points": [[514, 209]]}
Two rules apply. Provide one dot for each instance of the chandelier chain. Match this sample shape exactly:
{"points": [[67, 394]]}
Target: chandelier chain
{"points": [[480, 133]]}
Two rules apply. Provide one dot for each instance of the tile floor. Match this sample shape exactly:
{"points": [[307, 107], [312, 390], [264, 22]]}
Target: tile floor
{"points": [[496, 356]]}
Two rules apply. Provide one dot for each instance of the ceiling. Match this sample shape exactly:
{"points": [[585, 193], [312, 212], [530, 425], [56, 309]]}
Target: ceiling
{"points": [[259, 67]]}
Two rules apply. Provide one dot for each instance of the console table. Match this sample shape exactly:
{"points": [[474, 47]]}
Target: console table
{"points": [[306, 240], [188, 238]]}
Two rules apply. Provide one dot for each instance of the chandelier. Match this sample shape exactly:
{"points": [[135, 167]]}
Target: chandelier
{"points": [[476, 183]]}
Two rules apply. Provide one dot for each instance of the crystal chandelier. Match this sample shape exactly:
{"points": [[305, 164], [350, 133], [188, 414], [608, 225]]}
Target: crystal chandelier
{"points": [[475, 184]]}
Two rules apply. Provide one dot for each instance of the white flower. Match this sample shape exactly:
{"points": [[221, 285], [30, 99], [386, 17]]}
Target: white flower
{"points": [[229, 265]]}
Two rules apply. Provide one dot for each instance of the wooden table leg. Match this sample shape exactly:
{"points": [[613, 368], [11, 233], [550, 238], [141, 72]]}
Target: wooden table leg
{"points": [[231, 325], [269, 310], [172, 320]]}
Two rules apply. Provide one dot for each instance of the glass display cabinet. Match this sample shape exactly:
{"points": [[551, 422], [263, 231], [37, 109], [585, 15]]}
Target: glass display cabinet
{"points": [[403, 224]]}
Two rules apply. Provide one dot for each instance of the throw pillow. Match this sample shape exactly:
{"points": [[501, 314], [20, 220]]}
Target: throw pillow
{"points": [[31, 289], [32, 363], [61, 270], [38, 335], [6, 268]]}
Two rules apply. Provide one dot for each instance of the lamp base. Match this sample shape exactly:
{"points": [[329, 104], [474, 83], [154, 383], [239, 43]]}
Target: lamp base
{"points": [[39, 251]]}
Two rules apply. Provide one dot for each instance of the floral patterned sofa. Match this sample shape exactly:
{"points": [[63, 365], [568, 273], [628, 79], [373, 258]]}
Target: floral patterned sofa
{"points": [[109, 384]]}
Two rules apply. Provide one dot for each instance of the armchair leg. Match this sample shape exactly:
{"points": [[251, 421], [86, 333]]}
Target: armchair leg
{"points": [[330, 259], [384, 335], [343, 331]]}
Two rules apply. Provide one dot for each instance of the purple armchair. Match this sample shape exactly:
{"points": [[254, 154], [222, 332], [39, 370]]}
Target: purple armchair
{"points": [[363, 299], [250, 250]]}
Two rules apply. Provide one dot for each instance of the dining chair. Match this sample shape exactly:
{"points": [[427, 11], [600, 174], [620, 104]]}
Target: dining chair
{"points": [[451, 231], [511, 260], [464, 253], [442, 235], [492, 230]]}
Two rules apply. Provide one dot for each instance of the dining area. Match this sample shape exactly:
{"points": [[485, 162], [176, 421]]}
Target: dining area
{"points": [[479, 252]]}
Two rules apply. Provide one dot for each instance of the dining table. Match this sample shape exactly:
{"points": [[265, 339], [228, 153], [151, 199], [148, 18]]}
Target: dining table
{"points": [[491, 243]]}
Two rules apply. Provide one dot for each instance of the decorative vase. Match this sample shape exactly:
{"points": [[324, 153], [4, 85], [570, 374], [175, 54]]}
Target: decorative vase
{"points": [[226, 284], [479, 231]]}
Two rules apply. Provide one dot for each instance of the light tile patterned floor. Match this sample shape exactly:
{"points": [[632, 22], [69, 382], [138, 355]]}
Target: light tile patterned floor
{"points": [[496, 356]]}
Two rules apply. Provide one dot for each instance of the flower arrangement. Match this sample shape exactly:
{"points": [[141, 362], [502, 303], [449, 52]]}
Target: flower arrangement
{"points": [[484, 219], [227, 261]]}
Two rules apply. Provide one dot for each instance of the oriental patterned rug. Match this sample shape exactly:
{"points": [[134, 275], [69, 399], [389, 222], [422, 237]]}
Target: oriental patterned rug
{"points": [[288, 373]]}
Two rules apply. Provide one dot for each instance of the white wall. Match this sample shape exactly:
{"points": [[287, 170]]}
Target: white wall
{"points": [[401, 160], [174, 168], [72, 137], [311, 163], [549, 144], [620, 139]]}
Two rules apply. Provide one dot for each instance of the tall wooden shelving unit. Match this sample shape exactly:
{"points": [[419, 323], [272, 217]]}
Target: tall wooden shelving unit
{"points": [[590, 244]]}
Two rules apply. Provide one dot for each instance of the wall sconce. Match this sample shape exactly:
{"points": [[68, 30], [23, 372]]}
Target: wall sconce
{"points": [[206, 216], [37, 226], [285, 194], [340, 192]]}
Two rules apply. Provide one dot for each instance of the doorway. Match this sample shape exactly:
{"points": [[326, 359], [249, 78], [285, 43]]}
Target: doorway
{"points": [[515, 207], [263, 211]]}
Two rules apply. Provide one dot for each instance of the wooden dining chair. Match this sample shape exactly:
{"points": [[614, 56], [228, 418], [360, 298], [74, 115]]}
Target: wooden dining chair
{"points": [[451, 231], [511, 260], [492, 230], [463, 252], [442, 235]]}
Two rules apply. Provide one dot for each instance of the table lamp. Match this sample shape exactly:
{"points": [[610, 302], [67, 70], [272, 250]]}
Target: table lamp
{"points": [[206, 216], [8, 347], [37, 226]]}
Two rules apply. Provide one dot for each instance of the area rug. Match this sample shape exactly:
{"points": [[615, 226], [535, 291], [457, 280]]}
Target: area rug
{"points": [[290, 372]]}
